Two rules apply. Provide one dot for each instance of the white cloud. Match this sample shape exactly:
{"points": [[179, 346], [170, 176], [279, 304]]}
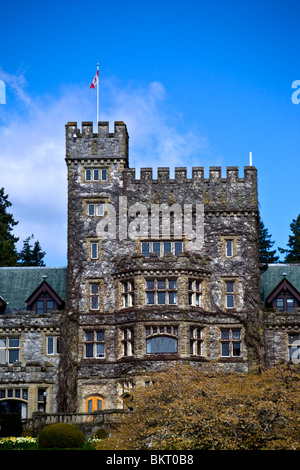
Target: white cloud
{"points": [[32, 152], [156, 137]]}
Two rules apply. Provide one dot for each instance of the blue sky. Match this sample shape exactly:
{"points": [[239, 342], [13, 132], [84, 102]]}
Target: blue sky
{"points": [[198, 84]]}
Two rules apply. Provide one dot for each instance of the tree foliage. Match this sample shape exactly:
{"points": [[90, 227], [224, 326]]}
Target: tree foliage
{"points": [[266, 254], [9, 256], [8, 251], [293, 252], [187, 408], [31, 255]]}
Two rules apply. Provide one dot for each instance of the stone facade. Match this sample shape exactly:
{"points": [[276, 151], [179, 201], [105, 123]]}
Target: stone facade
{"points": [[134, 310], [31, 380], [161, 271]]}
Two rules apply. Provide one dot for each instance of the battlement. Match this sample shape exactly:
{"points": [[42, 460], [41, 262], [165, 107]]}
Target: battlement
{"points": [[231, 193], [215, 175], [103, 144]]}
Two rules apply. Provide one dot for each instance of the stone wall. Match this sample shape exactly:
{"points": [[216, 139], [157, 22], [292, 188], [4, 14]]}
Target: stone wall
{"points": [[230, 213], [35, 371]]}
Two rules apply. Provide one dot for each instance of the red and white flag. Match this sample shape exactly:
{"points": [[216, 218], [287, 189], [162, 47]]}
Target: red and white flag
{"points": [[96, 79]]}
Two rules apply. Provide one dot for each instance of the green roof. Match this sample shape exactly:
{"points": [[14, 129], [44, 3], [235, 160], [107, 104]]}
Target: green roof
{"points": [[17, 284], [273, 275]]}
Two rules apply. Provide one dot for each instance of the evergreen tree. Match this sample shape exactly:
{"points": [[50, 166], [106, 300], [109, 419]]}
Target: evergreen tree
{"points": [[293, 253], [266, 255], [31, 255], [8, 251]]}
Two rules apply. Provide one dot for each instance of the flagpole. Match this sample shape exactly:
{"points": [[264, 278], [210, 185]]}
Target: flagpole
{"points": [[97, 94]]}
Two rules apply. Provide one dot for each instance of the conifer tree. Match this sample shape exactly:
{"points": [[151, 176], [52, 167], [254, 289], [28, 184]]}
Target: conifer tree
{"points": [[266, 255], [8, 251], [293, 252], [31, 255]]}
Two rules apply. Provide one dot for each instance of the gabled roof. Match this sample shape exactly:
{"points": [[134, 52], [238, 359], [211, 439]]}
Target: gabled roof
{"points": [[42, 288], [283, 285], [19, 283], [272, 274]]}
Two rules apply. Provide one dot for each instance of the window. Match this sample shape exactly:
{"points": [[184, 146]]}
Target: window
{"points": [[94, 250], [285, 304], [17, 393], [161, 248], [294, 347], [88, 175], [42, 399], [53, 345], [9, 350], [231, 342], [127, 341], [229, 294], [94, 404], [94, 344], [94, 296], [229, 248], [96, 209], [195, 341], [194, 292], [161, 339], [280, 305], [45, 304], [127, 397], [161, 292], [95, 174], [127, 293]]}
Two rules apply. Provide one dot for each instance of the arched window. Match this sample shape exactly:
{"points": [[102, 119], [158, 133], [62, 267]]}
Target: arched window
{"points": [[161, 345], [94, 404], [161, 339], [127, 402]]}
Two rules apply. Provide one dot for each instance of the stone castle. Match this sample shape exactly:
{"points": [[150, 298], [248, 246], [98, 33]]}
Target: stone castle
{"points": [[160, 271]]}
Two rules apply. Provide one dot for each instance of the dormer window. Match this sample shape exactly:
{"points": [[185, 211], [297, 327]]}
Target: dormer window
{"points": [[45, 305], [44, 300], [284, 298]]}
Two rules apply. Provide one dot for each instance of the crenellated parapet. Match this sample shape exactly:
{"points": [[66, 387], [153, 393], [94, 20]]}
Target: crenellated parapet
{"points": [[86, 144], [215, 175], [234, 192]]}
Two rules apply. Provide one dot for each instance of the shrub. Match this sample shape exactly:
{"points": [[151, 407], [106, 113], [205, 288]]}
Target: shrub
{"points": [[101, 433], [61, 435]]}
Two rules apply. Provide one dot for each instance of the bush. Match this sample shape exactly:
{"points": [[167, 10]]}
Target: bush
{"points": [[61, 435], [101, 433]]}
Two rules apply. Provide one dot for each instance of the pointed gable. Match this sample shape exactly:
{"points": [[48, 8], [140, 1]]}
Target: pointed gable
{"points": [[44, 291], [18, 284], [284, 297]]}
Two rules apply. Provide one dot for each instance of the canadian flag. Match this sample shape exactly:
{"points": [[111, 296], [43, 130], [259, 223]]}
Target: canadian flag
{"points": [[95, 81]]}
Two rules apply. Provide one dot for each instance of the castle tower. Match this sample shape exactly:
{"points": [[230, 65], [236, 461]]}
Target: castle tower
{"points": [[159, 270]]}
